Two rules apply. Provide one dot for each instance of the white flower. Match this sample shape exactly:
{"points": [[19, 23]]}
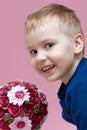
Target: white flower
{"points": [[21, 123], [1, 86], [18, 94]]}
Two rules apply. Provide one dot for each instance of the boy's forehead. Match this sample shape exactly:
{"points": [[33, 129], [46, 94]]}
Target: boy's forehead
{"points": [[46, 29], [43, 22]]}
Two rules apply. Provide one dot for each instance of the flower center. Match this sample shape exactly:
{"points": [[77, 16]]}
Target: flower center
{"points": [[19, 94], [21, 124]]}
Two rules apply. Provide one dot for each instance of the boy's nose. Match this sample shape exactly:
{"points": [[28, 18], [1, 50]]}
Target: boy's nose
{"points": [[41, 57]]}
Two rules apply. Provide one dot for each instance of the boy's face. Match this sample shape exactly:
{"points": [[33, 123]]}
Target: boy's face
{"points": [[52, 52]]}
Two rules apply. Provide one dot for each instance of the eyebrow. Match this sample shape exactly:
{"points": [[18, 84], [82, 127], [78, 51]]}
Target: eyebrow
{"points": [[28, 48], [41, 42], [47, 40]]}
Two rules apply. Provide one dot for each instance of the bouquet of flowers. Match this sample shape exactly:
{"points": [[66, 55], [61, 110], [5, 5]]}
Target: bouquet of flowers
{"points": [[22, 106]]}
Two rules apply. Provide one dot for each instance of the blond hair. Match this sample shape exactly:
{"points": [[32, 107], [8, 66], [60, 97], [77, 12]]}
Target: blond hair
{"points": [[68, 20]]}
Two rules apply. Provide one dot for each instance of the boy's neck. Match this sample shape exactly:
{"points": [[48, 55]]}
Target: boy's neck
{"points": [[69, 75]]}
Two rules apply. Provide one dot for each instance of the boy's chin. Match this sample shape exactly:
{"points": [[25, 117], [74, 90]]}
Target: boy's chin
{"points": [[51, 79]]}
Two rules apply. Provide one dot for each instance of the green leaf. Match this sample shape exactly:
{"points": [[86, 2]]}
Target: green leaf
{"points": [[22, 114], [36, 109], [26, 102], [11, 119], [37, 127], [33, 85], [8, 118]]}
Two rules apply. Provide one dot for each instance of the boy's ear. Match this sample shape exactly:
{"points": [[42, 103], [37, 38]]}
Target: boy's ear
{"points": [[78, 43]]}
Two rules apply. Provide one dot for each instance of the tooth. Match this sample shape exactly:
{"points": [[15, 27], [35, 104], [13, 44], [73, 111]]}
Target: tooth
{"points": [[46, 68], [51, 66]]}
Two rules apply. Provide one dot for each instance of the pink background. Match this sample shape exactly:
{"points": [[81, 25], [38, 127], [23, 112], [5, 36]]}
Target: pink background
{"points": [[14, 58]]}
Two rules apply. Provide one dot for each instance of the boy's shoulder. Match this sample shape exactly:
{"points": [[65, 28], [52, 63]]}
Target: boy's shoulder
{"points": [[81, 71], [79, 78]]}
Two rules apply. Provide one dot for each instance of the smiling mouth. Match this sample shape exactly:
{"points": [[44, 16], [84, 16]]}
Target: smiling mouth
{"points": [[47, 68]]}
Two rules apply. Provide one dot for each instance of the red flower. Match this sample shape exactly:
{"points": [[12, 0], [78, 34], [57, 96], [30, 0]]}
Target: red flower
{"points": [[14, 110], [42, 96], [36, 120], [43, 109], [31, 89], [4, 102], [4, 125], [2, 112], [35, 100], [28, 110], [4, 90]]}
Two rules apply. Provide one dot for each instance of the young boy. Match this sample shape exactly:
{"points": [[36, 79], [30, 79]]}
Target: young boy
{"points": [[55, 41]]}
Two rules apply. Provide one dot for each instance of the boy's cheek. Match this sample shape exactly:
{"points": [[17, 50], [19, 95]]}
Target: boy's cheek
{"points": [[33, 64]]}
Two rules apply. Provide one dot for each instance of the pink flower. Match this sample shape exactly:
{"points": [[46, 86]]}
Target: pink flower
{"points": [[21, 123]]}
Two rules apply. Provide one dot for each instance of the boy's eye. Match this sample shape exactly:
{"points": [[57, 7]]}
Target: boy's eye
{"points": [[33, 52], [49, 45]]}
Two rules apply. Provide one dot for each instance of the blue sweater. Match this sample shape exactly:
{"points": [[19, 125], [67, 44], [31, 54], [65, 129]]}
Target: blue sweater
{"points": [[73, 97]]}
